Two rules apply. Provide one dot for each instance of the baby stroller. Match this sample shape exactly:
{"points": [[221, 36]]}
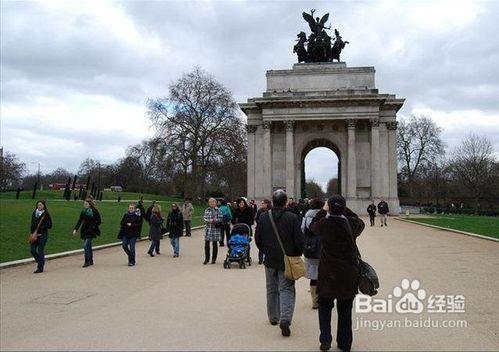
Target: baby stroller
{"points": [[239, 246]]}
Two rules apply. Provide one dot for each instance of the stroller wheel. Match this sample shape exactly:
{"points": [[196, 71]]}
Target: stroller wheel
{"points": [[225, 264], [249, 261], [244, 265]]}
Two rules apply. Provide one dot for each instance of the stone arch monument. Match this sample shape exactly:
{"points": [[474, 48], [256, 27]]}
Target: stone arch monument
{"points": [[323, 105]]}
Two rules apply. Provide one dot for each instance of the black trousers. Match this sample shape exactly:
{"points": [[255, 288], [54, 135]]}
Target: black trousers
{"points": [[187, 224], [207, 250], [344, 331], [225, 229], [371, 219]]}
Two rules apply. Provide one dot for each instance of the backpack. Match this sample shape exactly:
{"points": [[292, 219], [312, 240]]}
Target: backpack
{"points": [[312, 246]]}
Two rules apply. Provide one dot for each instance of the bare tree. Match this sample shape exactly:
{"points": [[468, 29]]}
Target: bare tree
{"points": [[333, 187], [193, 121], [11, 170], [313, 189], [474, 167], [418, 143]]}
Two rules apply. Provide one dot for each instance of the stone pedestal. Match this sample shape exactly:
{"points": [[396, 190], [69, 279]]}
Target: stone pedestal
{"points": [[329, 105]]}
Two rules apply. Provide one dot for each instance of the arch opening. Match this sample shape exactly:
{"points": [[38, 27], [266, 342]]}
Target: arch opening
{"points": [[321, 169]]}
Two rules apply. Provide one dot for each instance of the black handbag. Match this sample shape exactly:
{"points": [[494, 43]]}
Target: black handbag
{"points": [[368, 279], [368, 282]]}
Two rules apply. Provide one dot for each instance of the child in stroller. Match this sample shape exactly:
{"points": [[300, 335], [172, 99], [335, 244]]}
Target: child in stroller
{"points": [[239, 246]]}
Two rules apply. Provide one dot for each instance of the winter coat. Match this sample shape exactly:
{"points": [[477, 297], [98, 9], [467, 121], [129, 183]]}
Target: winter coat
{"points": [[213, 219], [187, 210], [175, 224], [371, 209], [89, 222], [289, 229], [155, 222], [244, 216], [226, 211], [45, 225], [338, 265], [259, 213], [132, 230], [383, 207]]}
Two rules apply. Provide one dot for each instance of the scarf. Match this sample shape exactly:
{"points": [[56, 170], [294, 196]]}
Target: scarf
{"points": [[88, 212], [39, 213]]}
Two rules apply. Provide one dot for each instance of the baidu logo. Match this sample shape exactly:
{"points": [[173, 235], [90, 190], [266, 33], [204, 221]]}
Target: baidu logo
{"points": [[410, 298]]}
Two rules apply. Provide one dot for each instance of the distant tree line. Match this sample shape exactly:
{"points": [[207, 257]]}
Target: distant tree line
{"points": [[199, 147], [428, 175]]}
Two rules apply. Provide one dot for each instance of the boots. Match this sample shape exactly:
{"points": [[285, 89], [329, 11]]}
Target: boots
{"points": [[313, 293]]}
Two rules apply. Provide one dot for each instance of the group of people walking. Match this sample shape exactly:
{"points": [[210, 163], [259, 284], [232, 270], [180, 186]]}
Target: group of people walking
{"points": [[382, 209], [129, 232], [324, 232], [326, 236]]}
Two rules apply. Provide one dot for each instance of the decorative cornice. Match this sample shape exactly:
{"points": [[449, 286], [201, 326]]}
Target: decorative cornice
{"points": [[290, 125], [350, 123], [251, 128], [267, 125], [392, 125], [374, 123]]}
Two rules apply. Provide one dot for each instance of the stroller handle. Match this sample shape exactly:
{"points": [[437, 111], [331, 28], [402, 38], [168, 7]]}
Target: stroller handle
{"points": [[244, 225]]}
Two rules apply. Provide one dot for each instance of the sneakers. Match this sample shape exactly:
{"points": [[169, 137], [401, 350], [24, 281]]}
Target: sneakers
{"points": [[131, 264], [273, 323], [205, 262], [38, 271], [87, 264], [285, 331]]}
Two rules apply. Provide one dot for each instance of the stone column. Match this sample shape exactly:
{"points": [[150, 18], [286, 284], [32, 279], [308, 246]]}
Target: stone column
{"points": [[392, 158], [267, 159], [351, 161], [290, 158], [375, 163], [251, 191], [383, 161]]}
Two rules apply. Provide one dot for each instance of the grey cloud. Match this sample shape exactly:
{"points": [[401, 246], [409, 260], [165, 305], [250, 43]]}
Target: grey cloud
{"points": [[44, 55]]}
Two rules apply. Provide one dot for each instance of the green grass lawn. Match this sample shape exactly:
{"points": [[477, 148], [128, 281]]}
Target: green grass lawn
{"points": [[15, 218], [481, 225]]}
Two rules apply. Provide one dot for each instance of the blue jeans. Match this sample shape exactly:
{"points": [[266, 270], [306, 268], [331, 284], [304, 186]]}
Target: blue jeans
{"points": [[128, 245], [280, 296], [154, 246], [175, 241], [87, 247], [38, 250]]}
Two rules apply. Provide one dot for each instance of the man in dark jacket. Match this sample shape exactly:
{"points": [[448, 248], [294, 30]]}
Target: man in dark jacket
{"points": [[338, 269], [280, 290], [383, 211], [371, 210]]}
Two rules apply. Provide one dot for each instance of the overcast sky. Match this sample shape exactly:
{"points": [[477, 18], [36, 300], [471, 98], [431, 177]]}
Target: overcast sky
{"points": [[75, 76]]}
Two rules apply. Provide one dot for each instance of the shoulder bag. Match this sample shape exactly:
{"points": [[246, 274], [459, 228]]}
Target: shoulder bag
{"points": [[368, 283], [294, 266], [33, 237]]}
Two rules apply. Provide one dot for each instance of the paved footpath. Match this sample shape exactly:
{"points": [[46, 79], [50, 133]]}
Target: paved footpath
{"points": [[179, 304]]}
